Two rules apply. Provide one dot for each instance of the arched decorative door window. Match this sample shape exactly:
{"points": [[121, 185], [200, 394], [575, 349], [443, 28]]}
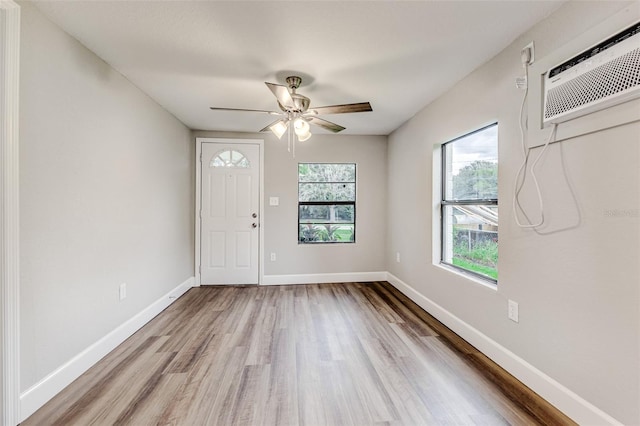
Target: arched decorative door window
{"points": [[230, 158]]}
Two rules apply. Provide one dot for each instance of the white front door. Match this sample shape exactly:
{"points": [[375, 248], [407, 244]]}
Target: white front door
{"points": [[230, 200]]}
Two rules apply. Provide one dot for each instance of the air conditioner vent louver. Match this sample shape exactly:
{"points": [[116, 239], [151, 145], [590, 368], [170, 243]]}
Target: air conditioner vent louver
{"points": [[589, 84], [606, 80]]}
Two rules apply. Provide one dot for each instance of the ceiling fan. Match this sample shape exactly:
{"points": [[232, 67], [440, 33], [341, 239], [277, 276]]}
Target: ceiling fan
{"points": [[295, 108]]}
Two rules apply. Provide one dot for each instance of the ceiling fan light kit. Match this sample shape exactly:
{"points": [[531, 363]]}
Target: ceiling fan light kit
{"points": [[278, 128], [302, 129], [295, 108]]}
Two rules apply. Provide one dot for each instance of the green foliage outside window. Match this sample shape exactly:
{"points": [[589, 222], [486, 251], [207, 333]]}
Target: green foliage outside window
{"points": [[478, 180], [477, 256]]}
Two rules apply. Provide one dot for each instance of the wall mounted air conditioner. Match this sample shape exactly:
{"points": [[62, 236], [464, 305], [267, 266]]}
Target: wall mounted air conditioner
{"points": [[604, 75]]}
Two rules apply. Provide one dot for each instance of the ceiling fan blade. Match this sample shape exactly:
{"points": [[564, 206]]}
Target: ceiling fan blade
{"points": [[335, 128], [282, 94], [245, 110], [342, 109]]}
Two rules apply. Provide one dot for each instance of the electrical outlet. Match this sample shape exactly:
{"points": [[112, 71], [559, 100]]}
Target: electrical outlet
{"points": [[513, 311], [273, 257], [527, 55], [122, 291], [398, 257]]}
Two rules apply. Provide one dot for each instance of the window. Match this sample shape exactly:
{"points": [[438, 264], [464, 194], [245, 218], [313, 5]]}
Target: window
{"points": [[326, 203], [230, 158], [470, 203]]}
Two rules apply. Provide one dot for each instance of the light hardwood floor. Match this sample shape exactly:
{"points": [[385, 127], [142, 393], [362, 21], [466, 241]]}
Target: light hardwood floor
{"points": [[329, 354]]}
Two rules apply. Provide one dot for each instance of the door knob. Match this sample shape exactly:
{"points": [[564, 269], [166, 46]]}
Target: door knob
{"points": [[254, 215], [254, 225]]}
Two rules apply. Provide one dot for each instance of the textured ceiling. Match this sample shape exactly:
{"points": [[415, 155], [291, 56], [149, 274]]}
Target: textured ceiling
{"points": [[398, 55]]}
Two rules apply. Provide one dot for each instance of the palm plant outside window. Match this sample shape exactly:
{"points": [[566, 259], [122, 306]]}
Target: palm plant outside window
{"points": [[326, 203], [469, 205]]}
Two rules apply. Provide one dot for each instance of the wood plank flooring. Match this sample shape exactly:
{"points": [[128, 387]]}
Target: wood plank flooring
{"points": [[329, 354]]}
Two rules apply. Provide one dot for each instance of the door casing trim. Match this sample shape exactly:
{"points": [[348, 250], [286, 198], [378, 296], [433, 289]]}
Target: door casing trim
{"points": [[198, 207], [9, 212]]}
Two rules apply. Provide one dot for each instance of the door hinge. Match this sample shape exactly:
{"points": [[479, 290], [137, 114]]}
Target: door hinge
{"points": [[201, 157], [200, 214], [199, 269]]}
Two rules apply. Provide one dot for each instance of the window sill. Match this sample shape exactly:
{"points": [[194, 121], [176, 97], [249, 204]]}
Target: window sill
{"points": [[474, 278]]}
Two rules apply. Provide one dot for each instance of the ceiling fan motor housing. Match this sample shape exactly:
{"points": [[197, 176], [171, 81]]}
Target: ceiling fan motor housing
{"points": [[300, 103]]}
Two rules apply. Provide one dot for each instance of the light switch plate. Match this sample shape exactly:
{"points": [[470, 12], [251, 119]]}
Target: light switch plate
{"points": [[274, 201], [513, 311]]}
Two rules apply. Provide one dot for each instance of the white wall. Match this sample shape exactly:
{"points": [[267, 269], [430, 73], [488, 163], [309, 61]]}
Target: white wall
{"points": [[578, 286], [280, 223], [106, 197]]}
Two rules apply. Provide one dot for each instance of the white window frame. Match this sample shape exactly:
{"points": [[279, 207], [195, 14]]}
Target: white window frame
{"points": [[442, 203], [354, 203]]}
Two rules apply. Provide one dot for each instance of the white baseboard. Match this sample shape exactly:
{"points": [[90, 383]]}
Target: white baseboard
{"points": [[37, 395], [345, 277], [571, 404]]}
